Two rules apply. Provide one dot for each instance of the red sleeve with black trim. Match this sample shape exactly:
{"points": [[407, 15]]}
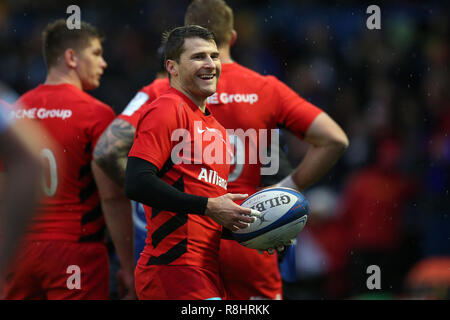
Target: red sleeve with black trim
{"points": [[146, 95]]}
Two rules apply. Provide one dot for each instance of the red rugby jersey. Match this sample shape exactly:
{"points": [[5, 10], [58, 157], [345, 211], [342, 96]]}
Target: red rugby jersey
{"points": [[246, 100], [182, 239], [70, 207], [253, 101]]}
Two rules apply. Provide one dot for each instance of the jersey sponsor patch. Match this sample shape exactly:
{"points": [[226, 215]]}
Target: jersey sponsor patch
{"points": [[225, 98], [41, 113], [213, 177], [139, 99]]}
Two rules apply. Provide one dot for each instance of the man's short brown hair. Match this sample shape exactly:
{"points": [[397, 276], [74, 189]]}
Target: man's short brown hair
{"points": [[215, 15], [173, 41], [56, 38]]}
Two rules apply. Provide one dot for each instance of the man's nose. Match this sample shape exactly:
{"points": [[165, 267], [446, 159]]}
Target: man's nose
{"points": [[104, 64], [209, 62]]}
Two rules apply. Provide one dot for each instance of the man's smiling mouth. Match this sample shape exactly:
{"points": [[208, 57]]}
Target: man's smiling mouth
{"points": [[207, 76]]}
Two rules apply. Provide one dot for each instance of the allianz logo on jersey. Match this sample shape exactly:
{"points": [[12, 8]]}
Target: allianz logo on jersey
{"points": [[211, 176], [225, 98], [41, 113]]}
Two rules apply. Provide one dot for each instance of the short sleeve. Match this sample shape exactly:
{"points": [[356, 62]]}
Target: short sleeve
{"points": [[145, 96], [131, 112], [152, 141], [294, 112]]}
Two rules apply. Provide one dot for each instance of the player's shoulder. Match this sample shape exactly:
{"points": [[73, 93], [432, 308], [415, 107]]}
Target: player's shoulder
{"points": [[266, 85], [37, 95], [90, 109], [241, 71], [169, 100], [157, 86], [29, 95], [72, 96], [167, 109], [93, 102], [166, 103], [95, 108], [145, 95], [244, 72]]}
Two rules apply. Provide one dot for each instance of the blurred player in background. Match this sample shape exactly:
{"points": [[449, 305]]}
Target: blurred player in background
{"points": [[246, 273], [20, 175], [111, 153], [64, 255], [185, 210]]}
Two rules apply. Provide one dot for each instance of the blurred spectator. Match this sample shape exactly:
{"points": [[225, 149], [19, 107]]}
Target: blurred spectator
{"points": [[372, 209], [318, 263], [429, 279]]}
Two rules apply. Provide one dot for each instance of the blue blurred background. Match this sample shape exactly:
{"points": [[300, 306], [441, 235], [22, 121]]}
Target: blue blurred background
{"points": [[387, 201]]}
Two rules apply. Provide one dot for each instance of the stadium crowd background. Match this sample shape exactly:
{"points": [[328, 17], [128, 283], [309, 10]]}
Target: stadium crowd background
{"points": [[387, 201]]}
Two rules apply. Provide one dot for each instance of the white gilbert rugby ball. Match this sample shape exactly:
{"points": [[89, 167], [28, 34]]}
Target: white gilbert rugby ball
{"points": [[284, 212]]}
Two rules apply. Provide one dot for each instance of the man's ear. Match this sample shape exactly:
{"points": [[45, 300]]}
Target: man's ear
{"points": [[172, 67], [70, 58], [233, 37]]}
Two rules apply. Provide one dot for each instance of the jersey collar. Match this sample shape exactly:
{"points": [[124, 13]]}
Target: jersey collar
{"points": [[189, 102]]}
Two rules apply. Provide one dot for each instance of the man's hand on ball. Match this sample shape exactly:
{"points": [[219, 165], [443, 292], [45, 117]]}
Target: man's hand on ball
{"points": [[227, 213], [279, 248]]}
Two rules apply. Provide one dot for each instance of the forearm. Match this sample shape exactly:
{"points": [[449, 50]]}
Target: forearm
{"points": [[118, 218], [327, 143], [317, 162], [117, 212], [143, 185], [111, 151]]}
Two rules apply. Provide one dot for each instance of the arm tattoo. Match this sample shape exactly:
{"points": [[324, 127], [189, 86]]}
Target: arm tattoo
{"points": [[111, 151]]}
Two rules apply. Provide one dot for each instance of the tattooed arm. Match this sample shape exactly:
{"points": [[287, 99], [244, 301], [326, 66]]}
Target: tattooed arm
{"points": [[111, 151]]}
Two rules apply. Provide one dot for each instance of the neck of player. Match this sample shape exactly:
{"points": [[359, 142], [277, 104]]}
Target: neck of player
{"points": [[199, 101], [225, 56], [57, 76]]}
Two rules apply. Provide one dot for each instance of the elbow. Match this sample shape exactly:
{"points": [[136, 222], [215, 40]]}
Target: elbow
{"points": [[130, 193], [340, 142], [344, 143]]}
